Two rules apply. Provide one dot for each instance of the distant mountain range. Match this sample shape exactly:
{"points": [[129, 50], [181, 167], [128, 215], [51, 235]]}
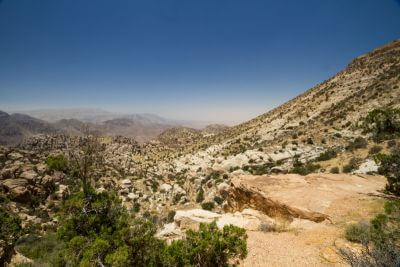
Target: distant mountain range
{"points": [[14, 128], [143, 127]]}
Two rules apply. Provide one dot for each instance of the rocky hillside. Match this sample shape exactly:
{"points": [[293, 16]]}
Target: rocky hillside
{"points": [[15, 127], [326, 116]]}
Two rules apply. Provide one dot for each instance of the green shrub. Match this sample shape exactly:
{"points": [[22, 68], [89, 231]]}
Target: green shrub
{"points": [[357, 232], [334, 170], [208, 247], [170, 216], [379, 239], [353, 164], [337, 135], [390, 168], [327, 155], [213, 175], [391, 143], [200, 195], [10, 231], [358, 143], [304, 168], [96, 231], [375, 150], [219, 200], [57, 163], [383, 123], [208, 206], [42, 249]]}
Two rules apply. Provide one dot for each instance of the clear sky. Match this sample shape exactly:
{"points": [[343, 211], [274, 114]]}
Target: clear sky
{"points": [[220, 60]]}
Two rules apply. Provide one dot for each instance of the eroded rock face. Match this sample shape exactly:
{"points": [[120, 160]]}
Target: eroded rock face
{"points": [[294, 196]]}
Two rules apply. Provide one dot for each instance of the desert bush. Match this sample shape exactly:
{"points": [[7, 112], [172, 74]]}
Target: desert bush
{"points": [[379, 239], [390, 168], [334, 170], [200, 195], [327, 155], [208, 247], [271, 227], [391, 143], [96, 230], [259, 169], [57, 163], [219, 200], [208, 206], [170, 216], [213, 175], [353, 164], [358, 143], [42, 249], [10, 231], [374, 150], [304, 168], [383, 123], [357, 232]]}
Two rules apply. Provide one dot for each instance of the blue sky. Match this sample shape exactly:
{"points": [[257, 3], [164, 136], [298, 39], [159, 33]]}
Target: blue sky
{"points": [[219, 60]]}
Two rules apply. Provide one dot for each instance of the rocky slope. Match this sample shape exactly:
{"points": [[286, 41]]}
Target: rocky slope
{"points": [[326, 116]]}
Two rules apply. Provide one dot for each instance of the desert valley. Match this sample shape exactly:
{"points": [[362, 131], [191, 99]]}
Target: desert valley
{"points": [[312, 182]]}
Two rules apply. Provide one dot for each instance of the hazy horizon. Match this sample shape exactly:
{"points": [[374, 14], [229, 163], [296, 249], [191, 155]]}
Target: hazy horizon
{"points": [[220, 61]]}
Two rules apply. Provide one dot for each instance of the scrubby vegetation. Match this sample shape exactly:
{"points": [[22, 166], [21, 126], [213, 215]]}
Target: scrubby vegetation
{"points": [[327, 155], [200, 196], [95, 230], [384, 124], [207, 205], [334, 170], [358, 143], [379, 239], [352, 165], [43, 250], [304, 168], [57, 163], [10, 231], [374, 150], [390, 168]]}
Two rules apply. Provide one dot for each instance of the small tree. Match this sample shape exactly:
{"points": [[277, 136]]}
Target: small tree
{"points": [[85, 157], [390, 168]]}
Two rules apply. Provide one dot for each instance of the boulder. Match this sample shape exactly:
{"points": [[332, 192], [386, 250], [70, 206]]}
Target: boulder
{"points": [[165, 188], [191, 219], [15, 156], [170, 231], [17, 190], [41, 168], [178, 190], [10, 172], [30, 175], [369, 166], [132, 196]]}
